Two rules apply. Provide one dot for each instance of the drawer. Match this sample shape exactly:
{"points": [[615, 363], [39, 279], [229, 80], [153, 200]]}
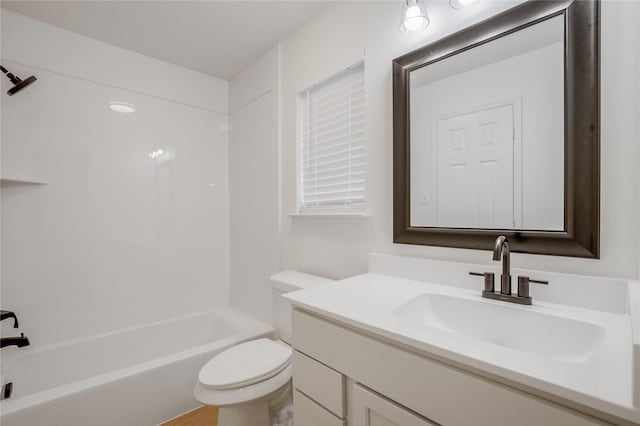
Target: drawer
{"points": [[320, 383], [308, 413]]}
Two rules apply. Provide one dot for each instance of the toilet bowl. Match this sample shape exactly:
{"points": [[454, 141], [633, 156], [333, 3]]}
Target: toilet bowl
{"points": [[250, 383]]}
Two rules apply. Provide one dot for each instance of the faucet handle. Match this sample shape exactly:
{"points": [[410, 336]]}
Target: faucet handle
{"points": [[523, 285], [489, 279], [8, 314]]}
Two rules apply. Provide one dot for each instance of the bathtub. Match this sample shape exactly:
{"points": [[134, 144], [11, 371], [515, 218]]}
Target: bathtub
{"points": [[139, 376]]}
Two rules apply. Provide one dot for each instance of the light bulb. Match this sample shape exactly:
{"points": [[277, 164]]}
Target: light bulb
{"points": [[414, 17], [461, 4], [412, 12]]}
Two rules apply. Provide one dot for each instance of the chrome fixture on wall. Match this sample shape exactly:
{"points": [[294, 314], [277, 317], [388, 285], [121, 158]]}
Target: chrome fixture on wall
{"points": [[18, 83]]}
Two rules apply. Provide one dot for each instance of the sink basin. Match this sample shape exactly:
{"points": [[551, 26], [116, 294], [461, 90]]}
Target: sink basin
{"points": [[511, 326]]}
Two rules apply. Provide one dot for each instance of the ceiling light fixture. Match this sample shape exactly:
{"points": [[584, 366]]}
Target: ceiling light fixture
{"points": [[122, 107], [156, 153], [414, 17], [461, 4]]}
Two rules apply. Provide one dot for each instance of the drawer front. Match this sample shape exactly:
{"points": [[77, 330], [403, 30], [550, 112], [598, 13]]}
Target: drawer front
{"points": [[370, 409], [308, 413], [449, 396], [321, 383]]}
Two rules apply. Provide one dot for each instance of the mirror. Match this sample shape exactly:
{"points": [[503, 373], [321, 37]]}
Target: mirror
{"points": [[496, 133]]}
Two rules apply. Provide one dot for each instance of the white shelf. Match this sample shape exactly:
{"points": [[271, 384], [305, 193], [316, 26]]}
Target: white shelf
{"points": [[22, 179]]}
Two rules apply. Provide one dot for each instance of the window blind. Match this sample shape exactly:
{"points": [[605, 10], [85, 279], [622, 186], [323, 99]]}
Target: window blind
{"points": [[332, 158]]}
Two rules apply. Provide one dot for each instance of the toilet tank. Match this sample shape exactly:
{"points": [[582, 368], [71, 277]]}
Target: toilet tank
{"points": [[286, 282]]}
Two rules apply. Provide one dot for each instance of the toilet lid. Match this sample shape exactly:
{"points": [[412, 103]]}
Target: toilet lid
{"points": [[245, 364]]}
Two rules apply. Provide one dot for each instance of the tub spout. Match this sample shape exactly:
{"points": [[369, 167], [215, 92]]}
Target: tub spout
{"points": [[19, 341]]}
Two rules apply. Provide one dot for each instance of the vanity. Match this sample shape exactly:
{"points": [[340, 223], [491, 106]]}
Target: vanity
{"points": [[412, 342]]}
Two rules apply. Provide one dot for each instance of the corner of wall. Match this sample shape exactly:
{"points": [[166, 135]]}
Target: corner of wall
{"points": [[637, 38], [254, 159]]}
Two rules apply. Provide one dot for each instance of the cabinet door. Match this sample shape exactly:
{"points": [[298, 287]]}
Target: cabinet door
{"points": [[369, 409], [308, 413]]}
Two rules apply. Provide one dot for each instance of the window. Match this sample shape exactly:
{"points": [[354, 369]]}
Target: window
{"points": [[331, 144]]}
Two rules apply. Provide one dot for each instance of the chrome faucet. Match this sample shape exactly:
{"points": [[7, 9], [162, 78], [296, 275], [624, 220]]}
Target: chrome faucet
{"points": [[502, 251]]}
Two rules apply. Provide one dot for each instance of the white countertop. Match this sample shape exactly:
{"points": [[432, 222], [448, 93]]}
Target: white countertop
{"points": [[603, 381]]}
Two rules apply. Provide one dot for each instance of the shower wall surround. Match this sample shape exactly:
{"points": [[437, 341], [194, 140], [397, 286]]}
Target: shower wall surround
{"points": [[117, 237]]}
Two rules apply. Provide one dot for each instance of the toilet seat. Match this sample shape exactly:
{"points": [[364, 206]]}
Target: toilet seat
{"points": [[226, 397], [245, 364], [245, 372]]}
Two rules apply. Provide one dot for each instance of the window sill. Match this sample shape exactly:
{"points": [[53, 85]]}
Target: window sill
{"points": [[344, 215]]}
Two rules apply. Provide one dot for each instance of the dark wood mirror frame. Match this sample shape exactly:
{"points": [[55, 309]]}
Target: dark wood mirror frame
{"points": [[581, 234]]}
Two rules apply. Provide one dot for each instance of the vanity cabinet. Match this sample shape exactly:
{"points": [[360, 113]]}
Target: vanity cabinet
{"points": [[344, 374]]}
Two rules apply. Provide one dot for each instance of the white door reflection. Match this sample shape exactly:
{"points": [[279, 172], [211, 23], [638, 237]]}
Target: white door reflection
{"points": [[474, 169]]}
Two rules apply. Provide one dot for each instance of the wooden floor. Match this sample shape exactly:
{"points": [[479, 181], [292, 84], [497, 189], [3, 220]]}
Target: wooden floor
{"points": [[203, 416]]}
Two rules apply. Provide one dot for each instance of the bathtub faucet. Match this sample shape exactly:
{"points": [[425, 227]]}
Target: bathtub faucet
{"points": [[19, 341]]}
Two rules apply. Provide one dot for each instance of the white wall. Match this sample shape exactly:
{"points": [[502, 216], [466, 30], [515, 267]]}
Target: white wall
{"points": [[254, 184], [116, 238], [338, 37]]}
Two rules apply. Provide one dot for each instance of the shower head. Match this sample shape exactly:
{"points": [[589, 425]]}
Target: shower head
{"points": [[18, 83]]}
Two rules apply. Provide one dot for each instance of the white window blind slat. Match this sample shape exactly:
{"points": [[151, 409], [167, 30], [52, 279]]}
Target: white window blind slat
{"points": [[331, 188], [335, 178], [332, 156], [345, 170], [341, 117], [348, 134], [340, 104], [338, 195], [338, 154], [336, 143], [356, 160], [345, 201], [324, 96]]}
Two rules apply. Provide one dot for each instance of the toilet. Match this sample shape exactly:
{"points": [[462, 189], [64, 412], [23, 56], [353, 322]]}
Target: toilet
{"points": [[250, 382]]}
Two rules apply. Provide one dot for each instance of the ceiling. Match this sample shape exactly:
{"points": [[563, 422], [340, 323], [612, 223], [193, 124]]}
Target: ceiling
{"points": [[218, 38]]}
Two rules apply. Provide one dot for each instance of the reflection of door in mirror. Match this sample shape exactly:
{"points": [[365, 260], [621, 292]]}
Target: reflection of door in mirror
{"points": [[474, 169], [487, 135]]}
